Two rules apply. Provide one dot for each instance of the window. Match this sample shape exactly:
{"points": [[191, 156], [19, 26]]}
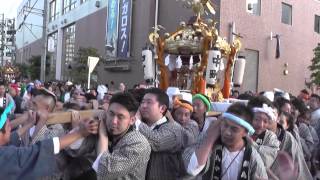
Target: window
{"points": [[83, 1], [251, 74], [254, 7], [54, 38], [68, 5], [286, 17], [54, 10], [69, 42], [317, 24]]}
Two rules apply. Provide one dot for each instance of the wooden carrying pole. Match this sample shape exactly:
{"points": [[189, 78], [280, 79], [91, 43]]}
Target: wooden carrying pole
{"points": [[65, 117]]}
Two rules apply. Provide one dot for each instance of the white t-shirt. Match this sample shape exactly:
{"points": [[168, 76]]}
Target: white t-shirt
{"points": [[1, 102], [235, 165], [232, 173]]}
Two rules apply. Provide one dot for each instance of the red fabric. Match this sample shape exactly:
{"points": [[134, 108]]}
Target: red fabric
{"points": [[15, 87]]}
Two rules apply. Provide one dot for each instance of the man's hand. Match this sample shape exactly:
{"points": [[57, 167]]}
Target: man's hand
{"points": [[95, 104], [103, 138], [75, 118], [31, 120], [105, 106], [87, 127], [42, 116], [287, 168], [214, 130], [213, 133], [32, 117]]}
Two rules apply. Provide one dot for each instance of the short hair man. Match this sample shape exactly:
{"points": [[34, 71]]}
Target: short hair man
{"points": [[314, 103], [167, 138], [43, 103], [127, 156]]}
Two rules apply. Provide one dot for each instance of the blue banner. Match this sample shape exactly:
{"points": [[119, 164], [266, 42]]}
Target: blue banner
{"points": [[112, 28], [124, 28]]}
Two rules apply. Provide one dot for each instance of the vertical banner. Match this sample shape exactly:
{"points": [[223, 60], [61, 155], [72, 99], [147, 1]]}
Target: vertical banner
{"points": [[112, 28], [124, 28]]}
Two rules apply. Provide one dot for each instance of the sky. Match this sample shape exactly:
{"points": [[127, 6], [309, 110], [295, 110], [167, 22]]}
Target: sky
{"points": [[9, 7]]}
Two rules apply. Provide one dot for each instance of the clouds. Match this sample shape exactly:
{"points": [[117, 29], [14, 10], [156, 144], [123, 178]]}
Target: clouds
{"points": [[9, 7]]}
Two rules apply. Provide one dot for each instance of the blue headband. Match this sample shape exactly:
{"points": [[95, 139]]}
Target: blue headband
{"points": [[239, 121], [7, 110]]}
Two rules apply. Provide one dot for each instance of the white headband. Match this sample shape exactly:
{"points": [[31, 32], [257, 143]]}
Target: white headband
{"points": [[266, 109]]}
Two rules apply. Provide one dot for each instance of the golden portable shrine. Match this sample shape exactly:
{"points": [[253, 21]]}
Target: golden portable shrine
{"points": [[192, 57], [9, 72]]}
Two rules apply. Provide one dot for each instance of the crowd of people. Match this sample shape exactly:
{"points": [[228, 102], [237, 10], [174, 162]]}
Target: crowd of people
{"points": [[147, 133]]}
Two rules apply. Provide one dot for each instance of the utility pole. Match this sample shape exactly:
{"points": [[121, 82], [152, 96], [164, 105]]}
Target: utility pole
{"points": [[45, 39], [2, 39], [14, 47]]}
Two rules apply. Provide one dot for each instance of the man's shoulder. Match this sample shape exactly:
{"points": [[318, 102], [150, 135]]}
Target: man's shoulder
{"points": [[256, 157], [289, 141], [134, 136], [303, 126], [270, 135], [271, 139], [315, 115], [168, 125]]}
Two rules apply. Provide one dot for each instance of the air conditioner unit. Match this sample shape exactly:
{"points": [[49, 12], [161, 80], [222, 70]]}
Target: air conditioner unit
{"points": [[98, 4], [250, 6], [118, 67]]}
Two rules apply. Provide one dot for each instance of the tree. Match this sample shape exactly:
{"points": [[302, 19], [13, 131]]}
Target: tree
{"points": [[315, 66], [78, 68], [24, 70], [35, 66]]}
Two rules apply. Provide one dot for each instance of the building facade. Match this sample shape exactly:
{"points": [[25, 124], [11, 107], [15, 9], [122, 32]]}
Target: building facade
{"points": [[72, 24], [7, 40], [29, 27], [258, 21]]}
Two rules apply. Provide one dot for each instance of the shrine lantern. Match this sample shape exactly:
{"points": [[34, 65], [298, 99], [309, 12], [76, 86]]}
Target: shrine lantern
{"points": [[148, 65], [214, 61], [238, 72]]}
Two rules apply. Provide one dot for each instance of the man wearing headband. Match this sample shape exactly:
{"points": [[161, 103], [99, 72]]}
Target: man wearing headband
{"points": [[225, 153], [181, 113], [264, 140], [201, 105], [289, 145], [38, 159]]}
